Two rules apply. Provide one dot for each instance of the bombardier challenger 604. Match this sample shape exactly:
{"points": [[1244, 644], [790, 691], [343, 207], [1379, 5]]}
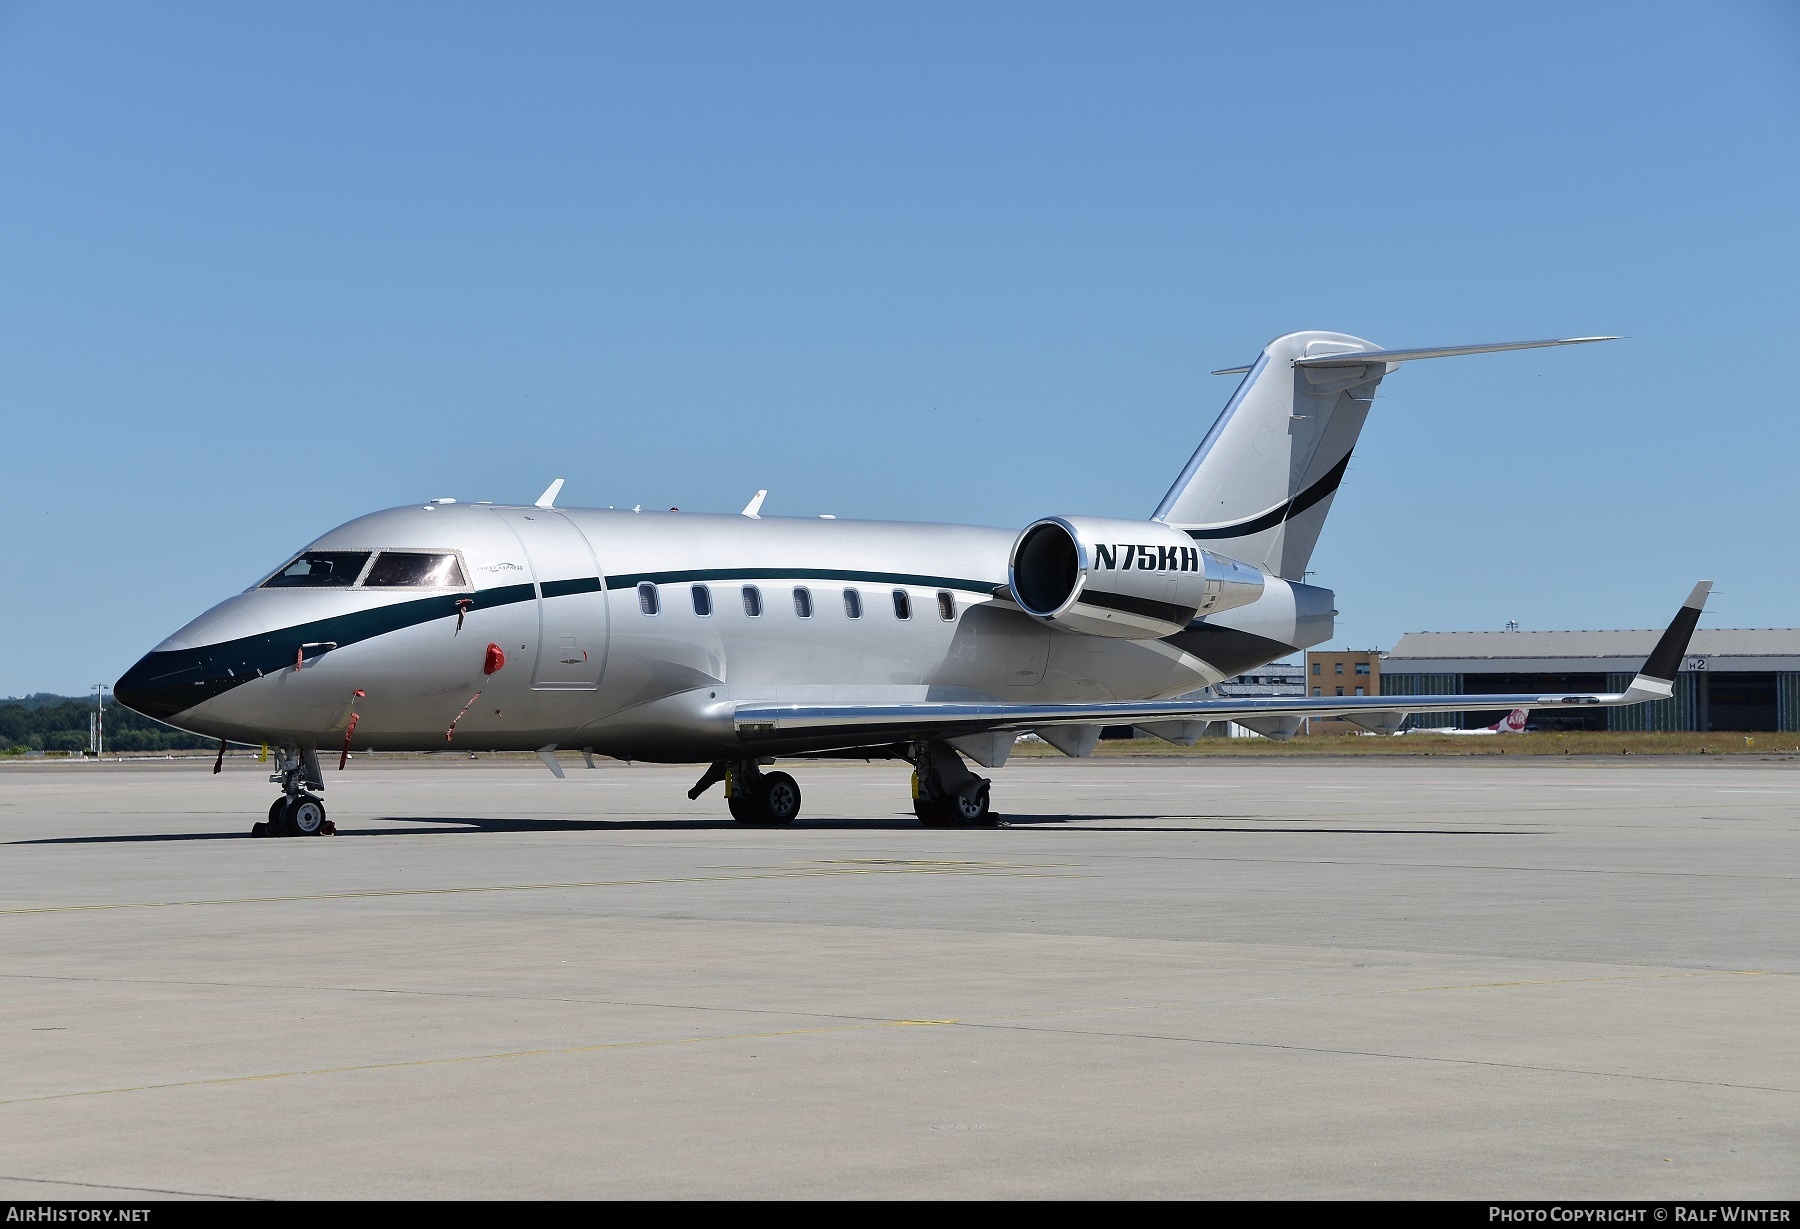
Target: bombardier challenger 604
{"points": [[734, 641]]}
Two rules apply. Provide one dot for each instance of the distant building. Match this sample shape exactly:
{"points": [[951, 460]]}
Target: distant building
{"points": [[1732, 678], [1341, 672], [1281, 678]]}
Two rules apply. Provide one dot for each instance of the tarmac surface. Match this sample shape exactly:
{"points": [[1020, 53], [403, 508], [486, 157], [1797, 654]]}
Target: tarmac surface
{"points": [[1308, 978]]}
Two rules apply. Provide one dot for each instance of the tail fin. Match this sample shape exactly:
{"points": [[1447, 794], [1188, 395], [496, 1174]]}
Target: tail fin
{"points": [[1512, 723], [1260, 484]]}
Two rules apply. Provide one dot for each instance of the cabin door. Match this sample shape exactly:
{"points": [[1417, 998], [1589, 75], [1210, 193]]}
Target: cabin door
{"points": [[571, 600]]}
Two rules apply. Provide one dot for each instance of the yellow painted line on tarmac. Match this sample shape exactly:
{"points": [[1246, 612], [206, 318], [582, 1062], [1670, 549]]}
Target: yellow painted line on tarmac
{"points": [[536, 887], [917, 865], [477, 1058], [1569, 981]]}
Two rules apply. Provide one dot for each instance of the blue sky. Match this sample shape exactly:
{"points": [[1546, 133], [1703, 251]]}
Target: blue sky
{"points": [[265, 268]]}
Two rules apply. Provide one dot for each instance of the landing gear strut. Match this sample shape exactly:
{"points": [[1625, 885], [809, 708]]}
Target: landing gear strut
{"points": [[945, 793], [299, 811], [753, 796]]}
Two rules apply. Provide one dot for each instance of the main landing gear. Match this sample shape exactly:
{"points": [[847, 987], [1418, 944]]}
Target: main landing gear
{"points": [[299, 811], [765, 799], [945, 793]]}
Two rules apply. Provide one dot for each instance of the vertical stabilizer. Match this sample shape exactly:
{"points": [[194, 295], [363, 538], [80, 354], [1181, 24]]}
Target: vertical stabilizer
{"points": [[1259, 486], [1261, 482]]}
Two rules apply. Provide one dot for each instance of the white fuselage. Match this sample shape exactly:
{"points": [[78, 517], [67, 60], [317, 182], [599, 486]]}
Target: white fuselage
{"points": [[593, 659]]}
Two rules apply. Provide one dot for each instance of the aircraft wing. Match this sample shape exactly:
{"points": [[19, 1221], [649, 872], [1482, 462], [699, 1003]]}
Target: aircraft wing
{"points": [[842, 725]]}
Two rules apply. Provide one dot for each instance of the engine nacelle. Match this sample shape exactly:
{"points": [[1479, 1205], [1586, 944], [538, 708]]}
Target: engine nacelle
{"points": [[1137, 580]]}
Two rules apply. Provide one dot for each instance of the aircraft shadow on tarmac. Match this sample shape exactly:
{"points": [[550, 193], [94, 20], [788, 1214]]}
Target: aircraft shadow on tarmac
{"points": [[455, 825]]}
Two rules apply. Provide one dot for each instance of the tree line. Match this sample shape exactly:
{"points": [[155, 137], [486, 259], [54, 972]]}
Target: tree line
{"points": [[60, 723]]}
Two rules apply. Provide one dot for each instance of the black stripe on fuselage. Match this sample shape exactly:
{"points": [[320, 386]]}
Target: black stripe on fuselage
{"points": [[1145, 607], [166, 683], [169, 682], [1227, 649], [1284, 512]]}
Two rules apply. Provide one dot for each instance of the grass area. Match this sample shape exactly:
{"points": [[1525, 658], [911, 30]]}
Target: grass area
{"points": [[1765, 743]]}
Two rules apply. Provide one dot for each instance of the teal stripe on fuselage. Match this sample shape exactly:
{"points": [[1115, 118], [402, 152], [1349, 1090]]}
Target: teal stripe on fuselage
{"points": [[210, 670], [699, 575]]}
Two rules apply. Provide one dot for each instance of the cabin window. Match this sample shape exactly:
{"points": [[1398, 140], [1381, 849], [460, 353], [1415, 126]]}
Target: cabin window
{"points": [[852, 604], [752, 601], [803, 603], [649, 601], [404, 569], [946, 607], [902, 605], [318, 569], [702, 600]]}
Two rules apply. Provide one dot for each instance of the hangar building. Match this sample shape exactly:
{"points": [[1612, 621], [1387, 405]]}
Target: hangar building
{"points": [[1732, 678]]}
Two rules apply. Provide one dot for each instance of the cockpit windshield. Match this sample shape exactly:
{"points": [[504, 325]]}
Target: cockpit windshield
{"points": [[392, 569], [396, 569], [318, 569]]}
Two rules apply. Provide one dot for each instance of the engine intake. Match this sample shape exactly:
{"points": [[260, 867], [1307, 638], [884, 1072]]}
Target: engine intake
{"points": [[1137, 580]]}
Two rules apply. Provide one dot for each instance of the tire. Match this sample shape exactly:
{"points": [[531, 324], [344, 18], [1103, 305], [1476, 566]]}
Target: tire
{"points": [[277, 809], [778, 798], [971, 810], [962, 811], [306, 816], [740, 808], [932, 815]]}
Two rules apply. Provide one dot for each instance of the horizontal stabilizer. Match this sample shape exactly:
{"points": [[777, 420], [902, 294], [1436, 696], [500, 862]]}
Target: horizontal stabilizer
{"points": [[1358, 358]]}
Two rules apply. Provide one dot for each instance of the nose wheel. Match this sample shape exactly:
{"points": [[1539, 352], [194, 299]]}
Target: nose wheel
{"points": [[298, 812], [302, 815]]}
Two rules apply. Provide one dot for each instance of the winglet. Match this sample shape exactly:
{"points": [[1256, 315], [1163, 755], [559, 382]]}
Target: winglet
{"points": [[753, 509], [1656, 678], [548, 498]]}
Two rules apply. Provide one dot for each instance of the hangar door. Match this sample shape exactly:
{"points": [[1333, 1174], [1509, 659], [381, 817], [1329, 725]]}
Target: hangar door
{"points": [[571, 602]]}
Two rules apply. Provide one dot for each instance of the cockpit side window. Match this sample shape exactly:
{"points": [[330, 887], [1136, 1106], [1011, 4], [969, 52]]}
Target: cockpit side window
{"points": [[407, 569], [320, 569]]}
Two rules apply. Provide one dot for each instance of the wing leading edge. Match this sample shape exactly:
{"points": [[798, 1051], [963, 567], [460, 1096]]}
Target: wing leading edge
{"points": [[833, 725]]}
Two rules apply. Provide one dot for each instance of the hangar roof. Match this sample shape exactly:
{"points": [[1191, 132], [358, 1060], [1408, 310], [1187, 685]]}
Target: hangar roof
{"points": [[1438, 650], [1713, 642]]}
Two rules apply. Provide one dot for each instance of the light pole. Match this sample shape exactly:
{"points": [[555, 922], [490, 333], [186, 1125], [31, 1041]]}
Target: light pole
{"points": [[99, 720]]}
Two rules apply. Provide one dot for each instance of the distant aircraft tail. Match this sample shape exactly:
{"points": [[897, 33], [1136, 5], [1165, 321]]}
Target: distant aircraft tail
{"points": [[1512, 723], [1260, 484]]}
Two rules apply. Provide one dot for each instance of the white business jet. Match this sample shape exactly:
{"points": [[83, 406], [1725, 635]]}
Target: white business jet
{"points": [[733, 641]]}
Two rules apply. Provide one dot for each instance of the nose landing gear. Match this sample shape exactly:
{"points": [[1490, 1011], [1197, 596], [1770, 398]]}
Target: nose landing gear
{"points": [[299, 811]]}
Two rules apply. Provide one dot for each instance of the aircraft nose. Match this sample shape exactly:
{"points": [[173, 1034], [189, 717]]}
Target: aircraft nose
{"points": [[151, 689]]}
